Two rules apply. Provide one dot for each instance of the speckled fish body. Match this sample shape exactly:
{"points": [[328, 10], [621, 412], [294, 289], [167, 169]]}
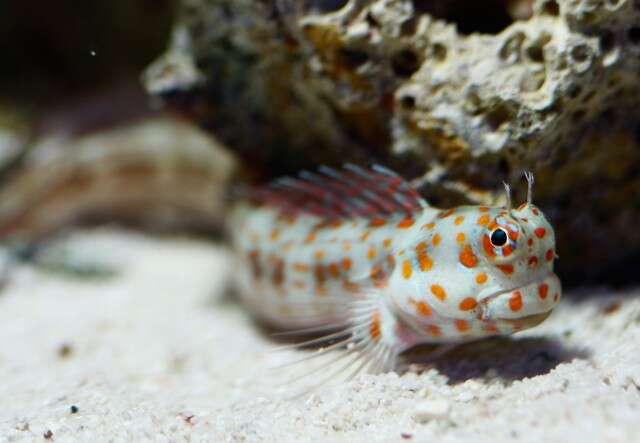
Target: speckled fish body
{"points": [[414, 273]]}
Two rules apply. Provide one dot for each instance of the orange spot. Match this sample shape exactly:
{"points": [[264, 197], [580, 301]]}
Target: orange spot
{"points": [[439, 292], [539, 232], [436, 239], [507, 250], [549, 255], [319, 254], [334, 224], [533, 260], [543, 290], [421, 307], [301, 267], [446, 213], [318, 273], [481, 278], [429, 225], [334, 271], [275, 233], [254, 260], [459, 219], [434, 330], [374, 329], [425, 261], [515, 301], [350, 286], [377, 275], [461, 325], [406, 269], [492, 329], [421, 247], [483, 219], [298, 284], [386, 242], [488, 247], [468, 304], [371, 253], [483, 209], [377, 221], [406, 222], [513, 235], [311, 237], [346, 263], [278, 273], [460, 237], [391, 260], [507, 269], [467, 257], [365, 236], [346, 245], [530, 242]]}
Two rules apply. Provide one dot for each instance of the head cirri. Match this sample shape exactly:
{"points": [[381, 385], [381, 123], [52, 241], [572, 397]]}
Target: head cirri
{"points": [[480, 271]]}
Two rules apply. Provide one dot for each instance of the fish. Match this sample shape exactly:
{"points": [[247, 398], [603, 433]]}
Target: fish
{"points": [[357, 252]]}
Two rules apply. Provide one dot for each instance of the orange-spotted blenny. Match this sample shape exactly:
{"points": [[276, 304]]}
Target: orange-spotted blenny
{"points": [[359, 251]]}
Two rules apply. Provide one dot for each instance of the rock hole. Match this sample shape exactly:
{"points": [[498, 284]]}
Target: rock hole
{"points": [[634, 35], [535, 53], [498, 116], [325, 6], [551, 8], [607, 41], [352, 58], [371, 20], [409, 26], [439, 52], [510, 50], [486, 17], [503, 167], [408, 101], [580, 53], [405, 63], [574, 91]]}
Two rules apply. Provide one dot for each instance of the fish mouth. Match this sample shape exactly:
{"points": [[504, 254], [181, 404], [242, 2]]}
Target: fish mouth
{"points": [[526, 322], [533, 302]]}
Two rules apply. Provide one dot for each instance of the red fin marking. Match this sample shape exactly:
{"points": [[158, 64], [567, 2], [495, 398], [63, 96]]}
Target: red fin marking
{"points": [[348, 192]]}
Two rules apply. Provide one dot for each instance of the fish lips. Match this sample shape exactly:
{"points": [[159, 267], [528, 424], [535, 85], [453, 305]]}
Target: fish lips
{"points": [[524, 306]]}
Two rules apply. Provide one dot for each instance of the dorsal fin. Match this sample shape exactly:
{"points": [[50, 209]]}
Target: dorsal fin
{"points": [[347, 192]]}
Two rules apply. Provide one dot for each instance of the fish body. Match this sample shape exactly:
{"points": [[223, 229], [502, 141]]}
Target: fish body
{"points": [[389, 268]]}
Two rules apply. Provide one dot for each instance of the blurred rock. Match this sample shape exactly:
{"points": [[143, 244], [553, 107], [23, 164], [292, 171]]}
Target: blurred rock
{"points": [[474, 93]]}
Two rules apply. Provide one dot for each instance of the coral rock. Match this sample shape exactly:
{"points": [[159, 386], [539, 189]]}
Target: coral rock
{"points": [[464, 94]]}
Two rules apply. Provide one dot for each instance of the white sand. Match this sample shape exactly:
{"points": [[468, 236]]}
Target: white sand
{"points": [[159, 353]]}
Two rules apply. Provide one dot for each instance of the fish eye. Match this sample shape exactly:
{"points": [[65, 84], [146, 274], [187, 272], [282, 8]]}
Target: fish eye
{"points": [[499, 237]]}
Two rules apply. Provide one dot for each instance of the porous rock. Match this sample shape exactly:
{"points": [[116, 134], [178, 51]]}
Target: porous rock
{"points": [[459, 96]]}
